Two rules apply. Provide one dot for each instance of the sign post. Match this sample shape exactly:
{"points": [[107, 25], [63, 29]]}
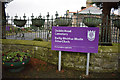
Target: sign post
{"points": [[87, 66], [75, 39], [59, 61]]}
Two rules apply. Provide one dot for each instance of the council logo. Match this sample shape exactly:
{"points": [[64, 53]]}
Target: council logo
{"points": [[91, 35]]}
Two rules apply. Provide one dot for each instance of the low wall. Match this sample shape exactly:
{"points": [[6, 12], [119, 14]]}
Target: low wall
{"points": [[119, 57], [106, 60]]}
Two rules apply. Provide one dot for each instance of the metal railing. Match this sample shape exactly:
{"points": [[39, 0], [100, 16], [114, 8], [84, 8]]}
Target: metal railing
{"points": [[108, 33]]}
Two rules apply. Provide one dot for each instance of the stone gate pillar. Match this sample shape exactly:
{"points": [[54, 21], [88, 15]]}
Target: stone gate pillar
{"points": [[0, 20], [0, 40]]}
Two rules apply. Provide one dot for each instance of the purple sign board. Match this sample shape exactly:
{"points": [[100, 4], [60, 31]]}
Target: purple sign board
{"points": [[75, 39]]}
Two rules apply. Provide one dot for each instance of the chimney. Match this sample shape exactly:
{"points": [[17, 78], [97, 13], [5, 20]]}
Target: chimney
{"points": [[67, 13], [83, 8]]}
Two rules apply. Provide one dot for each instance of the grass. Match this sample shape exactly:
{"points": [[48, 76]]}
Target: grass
{"points": [[26, 42]]}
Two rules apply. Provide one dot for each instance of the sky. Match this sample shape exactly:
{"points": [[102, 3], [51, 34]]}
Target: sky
{"points": [[42, 7], [36, 7]]}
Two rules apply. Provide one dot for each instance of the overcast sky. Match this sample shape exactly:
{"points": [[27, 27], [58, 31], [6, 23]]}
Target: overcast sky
{"points": [[36, 7], [20, 7]]}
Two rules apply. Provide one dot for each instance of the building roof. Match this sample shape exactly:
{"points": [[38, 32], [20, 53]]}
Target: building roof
{"points": [[103, 0], [72, 12], [91, 9]]}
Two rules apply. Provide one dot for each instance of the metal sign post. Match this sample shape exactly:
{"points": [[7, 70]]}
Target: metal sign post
{"points": [[59, 61], [87, 66]]}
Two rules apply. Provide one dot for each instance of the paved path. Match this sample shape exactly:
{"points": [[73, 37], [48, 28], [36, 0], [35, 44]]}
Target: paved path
{"points": [[30, 36]]}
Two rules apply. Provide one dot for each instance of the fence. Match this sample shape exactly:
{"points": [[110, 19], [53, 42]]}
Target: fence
{"points": [[30, 28]]}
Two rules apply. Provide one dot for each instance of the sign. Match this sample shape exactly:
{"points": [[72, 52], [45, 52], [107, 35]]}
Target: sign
{"points": [[75, 39]]}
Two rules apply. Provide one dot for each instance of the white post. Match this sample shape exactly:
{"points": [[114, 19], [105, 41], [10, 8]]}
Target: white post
{"points": [[59, 62], [87, 66]]}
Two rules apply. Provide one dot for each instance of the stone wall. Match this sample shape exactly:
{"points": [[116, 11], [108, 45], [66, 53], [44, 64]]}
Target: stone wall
{"points": [[119, 57], [106, 60]]}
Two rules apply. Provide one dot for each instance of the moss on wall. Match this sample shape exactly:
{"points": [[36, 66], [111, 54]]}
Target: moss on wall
{"points": [[48, 45]]}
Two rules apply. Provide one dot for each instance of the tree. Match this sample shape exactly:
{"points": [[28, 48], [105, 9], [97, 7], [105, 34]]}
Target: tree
{"points": [[106, 9]]}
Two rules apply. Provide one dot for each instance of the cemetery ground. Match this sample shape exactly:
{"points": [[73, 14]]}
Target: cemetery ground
{"points": [[38, 69]]}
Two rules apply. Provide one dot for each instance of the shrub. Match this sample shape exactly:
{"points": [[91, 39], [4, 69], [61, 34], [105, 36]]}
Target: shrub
{"points": [[92, 21], [37, 39], [38, 22], [116, 23], [63, 22]]}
